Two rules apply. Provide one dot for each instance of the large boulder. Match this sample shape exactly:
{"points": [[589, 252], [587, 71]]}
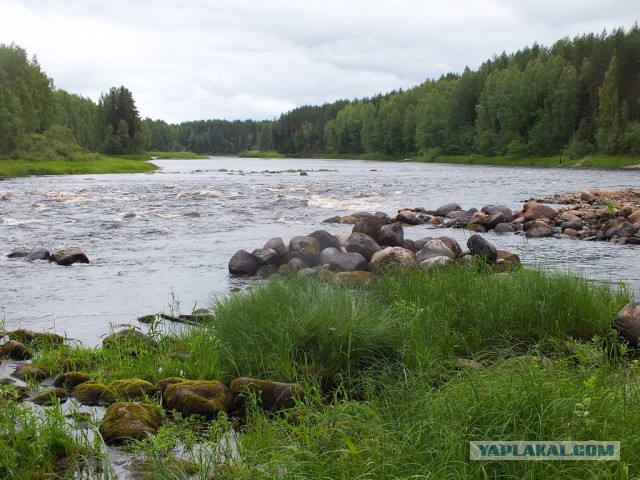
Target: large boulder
{"points": [[393, 257], [481, 248], [265, 256], [347, 262], [277, 244], [434, 248], [627, 323], [69, 257], [243, 263], [369, 225], [202, 397], [362, 244], [534, 210], [325, 239], [273, 396], [391, 235], [453, 245], [125, 421], [538, 229], [446, 209], [326, 254], [306, 249]]}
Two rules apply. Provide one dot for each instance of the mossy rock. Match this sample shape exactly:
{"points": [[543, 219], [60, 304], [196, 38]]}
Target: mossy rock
{"points": [[129, 338], [93, 393], [201, 397], [133, 389], [351, 278], [124, 421], [48, 397], [71, 380], [15, 350], [273, 395], [162, 385], [29, 372], [31, 338]]}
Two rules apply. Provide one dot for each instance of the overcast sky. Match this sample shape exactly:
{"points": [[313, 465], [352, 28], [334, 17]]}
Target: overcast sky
{"points": [[239, 59]]}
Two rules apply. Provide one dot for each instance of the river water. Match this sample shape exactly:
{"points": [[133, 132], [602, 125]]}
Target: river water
{"points": [[162, 241]]}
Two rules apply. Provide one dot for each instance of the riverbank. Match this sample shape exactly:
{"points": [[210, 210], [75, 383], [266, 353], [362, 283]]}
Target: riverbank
{"points": [[395, 378]]}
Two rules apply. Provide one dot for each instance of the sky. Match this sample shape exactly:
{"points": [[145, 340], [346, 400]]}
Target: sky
{"points": [[240, 59]]}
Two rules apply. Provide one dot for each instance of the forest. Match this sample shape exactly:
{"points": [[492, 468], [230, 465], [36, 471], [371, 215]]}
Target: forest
{"points": [[578, 97]]}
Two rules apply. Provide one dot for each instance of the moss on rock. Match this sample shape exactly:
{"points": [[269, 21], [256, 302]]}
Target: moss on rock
{"points": [[15, 350], [93, 393], [133, 389], [125, 421], [71, 380], [165, 383], [202, 397], [29, 372]]}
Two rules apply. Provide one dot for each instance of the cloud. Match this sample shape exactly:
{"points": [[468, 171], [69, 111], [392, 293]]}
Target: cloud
{"points": [[195, 59]]}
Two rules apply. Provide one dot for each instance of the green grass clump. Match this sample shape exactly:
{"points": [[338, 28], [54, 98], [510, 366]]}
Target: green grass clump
{"points": [[260, 154], [178, 156]]}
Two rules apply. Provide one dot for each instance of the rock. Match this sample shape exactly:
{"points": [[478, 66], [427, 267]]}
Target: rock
{"points": [[391, 235], [468, 364], [40, 254], [570, 232], [71, 380], [201, 397], [570, 221], [277, 244], [303, 174], [627, 323], [307, 272], [306, 249], [93, 393], [481, 248], [369, 225], [495, 209], [504, 228], [347, 262], [29, 372], [391, 258], [445, 210], [535, 210], [130, 337], [14, 350], [49, 397], [634, 218], [343, 238], [453, 245], [273, 395], [133, 389], [33, 339], [326, 254], [362, 244], [507, 261], [18, 254], [265, 256], [162, 385], [410, 217], [351, 278], [292, 266], [421, 242], [537, 229], [325, 239], [434, 248], [243, 263], [622, 229], [125, 421], [435, 262], [386, 219], [69, 257], [585, 196]]}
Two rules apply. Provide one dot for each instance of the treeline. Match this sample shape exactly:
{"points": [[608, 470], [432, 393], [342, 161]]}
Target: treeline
{"points": [[577, 97]]}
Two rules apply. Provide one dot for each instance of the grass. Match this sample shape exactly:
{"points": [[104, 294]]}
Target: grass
{"points": [[601, 161], [260, 154], [178, 156], [95, 165], [386, 396], [554, 161]]}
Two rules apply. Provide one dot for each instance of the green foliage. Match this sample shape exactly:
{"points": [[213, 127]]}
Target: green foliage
{"points": [[260, 154]]}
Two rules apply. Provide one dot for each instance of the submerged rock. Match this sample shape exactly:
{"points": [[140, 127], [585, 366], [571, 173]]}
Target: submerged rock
{"points": [[69, 257], [125, 421]]}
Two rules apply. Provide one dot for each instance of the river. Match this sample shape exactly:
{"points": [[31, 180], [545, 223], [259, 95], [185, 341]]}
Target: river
{"points": [[162, 241]]}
